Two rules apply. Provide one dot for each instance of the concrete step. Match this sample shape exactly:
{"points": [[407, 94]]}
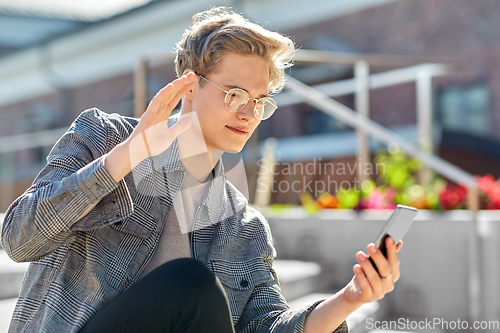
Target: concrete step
{"points": [[297, 278], [6, 310]]}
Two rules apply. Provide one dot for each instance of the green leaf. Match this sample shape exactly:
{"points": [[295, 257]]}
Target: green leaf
{"points": [[348, 198]]}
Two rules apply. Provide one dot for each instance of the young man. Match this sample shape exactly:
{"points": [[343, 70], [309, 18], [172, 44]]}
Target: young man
{"points": [[133, 227]]}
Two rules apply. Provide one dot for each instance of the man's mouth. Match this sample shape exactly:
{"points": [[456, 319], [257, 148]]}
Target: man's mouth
{"points": [[237, 130]]}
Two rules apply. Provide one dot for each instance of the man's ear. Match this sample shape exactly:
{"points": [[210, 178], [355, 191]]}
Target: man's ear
{"points": [[190, 93]]}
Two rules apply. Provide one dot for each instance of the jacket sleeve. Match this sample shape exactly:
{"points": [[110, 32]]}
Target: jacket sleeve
{"points": [[267, 311], [46, 214]]}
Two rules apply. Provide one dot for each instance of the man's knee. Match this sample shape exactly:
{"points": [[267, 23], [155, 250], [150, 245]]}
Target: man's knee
{"points": [[187, 275], [185, 270]]}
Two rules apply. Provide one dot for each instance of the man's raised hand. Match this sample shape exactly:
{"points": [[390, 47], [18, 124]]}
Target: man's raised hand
{"points": [[152, 136]]}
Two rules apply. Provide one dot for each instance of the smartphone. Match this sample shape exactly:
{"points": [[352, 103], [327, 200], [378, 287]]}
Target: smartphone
{"points": [[397, 225]]}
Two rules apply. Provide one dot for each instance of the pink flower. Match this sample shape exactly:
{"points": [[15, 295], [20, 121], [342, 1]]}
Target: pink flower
{"points": [[380, 199]]}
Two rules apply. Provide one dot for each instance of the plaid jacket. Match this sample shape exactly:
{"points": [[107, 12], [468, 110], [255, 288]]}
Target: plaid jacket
{"points": [[79, 266]]}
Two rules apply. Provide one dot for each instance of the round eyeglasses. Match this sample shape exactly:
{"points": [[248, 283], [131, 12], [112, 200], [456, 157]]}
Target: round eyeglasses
{"points": [[236, 99]]}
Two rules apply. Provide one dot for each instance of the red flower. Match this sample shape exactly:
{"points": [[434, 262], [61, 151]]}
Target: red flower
{"points": [[486, 184], [452, 196], [491, 190]]}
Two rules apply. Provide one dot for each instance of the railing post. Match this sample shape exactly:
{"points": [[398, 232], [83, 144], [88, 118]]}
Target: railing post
{"points": [[140, 87], [265, 175], [7, 181], [474, 257], [362, 106], [473, 199], [253, 167], [424, 120], [474, 272]]}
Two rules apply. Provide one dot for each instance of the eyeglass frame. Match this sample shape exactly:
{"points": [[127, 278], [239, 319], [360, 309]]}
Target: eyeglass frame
{"points": [[256, 100]]}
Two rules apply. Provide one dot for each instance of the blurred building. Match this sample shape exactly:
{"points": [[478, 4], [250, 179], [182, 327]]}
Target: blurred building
{"points": [[55, 63]]}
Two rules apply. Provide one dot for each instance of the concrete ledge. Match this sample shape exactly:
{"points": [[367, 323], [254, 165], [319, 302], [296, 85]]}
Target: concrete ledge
{"points": [[297, 278], [11, 276]]}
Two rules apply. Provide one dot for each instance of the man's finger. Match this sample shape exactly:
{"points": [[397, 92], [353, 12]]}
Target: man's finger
{"points": [[179, 94], [381, 281], [392, 257], [392, 253], [370, 272], [363, 283], [380, 261], [165, 94]]}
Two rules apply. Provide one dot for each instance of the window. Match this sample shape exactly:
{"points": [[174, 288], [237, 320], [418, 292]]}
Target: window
{"points": [[317, 122], [465, 109], [39, 116]]}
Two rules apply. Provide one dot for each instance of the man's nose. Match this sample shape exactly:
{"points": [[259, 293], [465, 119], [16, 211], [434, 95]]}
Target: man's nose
{"points": [[248, 111]]}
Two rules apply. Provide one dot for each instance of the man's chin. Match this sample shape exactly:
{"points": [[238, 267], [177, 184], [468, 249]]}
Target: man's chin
{"points": [[234, 149], [231, 151]]}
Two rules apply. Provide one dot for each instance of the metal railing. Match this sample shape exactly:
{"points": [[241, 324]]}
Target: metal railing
{"points": [[360, 121], [420, 70]]}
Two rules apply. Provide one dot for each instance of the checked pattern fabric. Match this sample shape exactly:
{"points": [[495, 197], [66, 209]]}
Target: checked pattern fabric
{"points": [[78, 266]]}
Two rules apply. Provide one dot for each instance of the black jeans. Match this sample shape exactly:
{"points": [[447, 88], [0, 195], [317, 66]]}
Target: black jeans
{"points": [[181, 296]]}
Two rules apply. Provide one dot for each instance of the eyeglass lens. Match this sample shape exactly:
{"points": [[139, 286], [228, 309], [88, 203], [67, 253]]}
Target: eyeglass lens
{"points": [[236, 100]]}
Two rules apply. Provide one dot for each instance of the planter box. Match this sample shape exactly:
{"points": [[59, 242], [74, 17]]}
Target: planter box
{"points": [[440, 251]]}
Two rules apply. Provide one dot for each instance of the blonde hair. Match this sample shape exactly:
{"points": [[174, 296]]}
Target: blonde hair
{"points": [[216, 32]]}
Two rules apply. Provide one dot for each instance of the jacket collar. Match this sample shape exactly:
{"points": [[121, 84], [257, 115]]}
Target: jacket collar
{"points": [[217, 202]]}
